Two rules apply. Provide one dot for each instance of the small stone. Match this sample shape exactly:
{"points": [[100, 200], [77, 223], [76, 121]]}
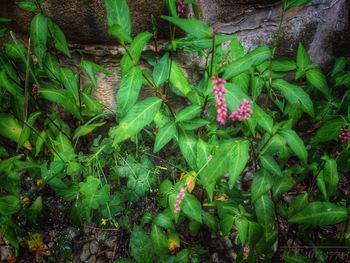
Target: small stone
{"points": [[215, 258], [73, 232], [85, 253], [92, 259], [111, 241], [93, 247], [5, 253], [109, 254]]}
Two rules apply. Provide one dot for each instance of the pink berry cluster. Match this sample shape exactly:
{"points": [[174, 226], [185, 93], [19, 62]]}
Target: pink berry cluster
{"points": [[181, 7], [35, 91], [344, 136], [243, 112], [220, 91], [180, 197]]}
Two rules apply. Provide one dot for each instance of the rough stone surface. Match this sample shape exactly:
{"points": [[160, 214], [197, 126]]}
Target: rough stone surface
{"points": [[83, 21], [322, 26]]}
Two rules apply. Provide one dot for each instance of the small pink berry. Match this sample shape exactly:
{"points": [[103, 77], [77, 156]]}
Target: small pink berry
{"points": [[220, 91], [243, 111]]}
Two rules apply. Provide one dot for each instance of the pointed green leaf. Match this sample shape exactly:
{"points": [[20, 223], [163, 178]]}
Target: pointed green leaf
{"points": [[128, 92], [294, 94], [329, 131], [136, 119], [253, 58], [27, 130], [164, 135], [238, 160], [9, 205], [161, 70], [262, 183], [91, 68], [288, 4], [319, 214], [70, 82], [118, 14], [59, 38], [193, 27], [265, 212], [303, 58], [188, 113], [118, 32], [159, 240], [38, 31], [295, 143], [203, 152], [269, 163], [135, 51], [187, 144], [178, 81], [283, 65], [27, 5], [282, 185], [192, 207], [319, 81]]}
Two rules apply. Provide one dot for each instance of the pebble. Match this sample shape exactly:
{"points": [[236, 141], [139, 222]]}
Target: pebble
{"points": [[5, 253], [92, 259], [109, 254], [85, 253], [73, 232], [93, 247], [110, 242]]}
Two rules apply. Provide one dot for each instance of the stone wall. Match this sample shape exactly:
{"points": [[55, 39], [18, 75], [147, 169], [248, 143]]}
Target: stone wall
{"points": [[322, 26]]}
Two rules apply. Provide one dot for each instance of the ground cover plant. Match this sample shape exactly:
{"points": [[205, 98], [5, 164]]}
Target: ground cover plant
{"points": [[257, 153]]}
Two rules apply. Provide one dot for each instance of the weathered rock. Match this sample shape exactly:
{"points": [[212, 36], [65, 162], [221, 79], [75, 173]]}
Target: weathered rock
{"points": [[85, 252], [84, 21], [93, 247], [322, 26], [5, 253]]}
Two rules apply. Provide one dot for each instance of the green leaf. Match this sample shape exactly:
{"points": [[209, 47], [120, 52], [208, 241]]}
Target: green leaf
{"points": [[136, 119], [188, 113], [283, 65], [93, 106], [91, 68], [172, 7], [264, 120], [298, 204], [192, 44], [339, 66], [135, 51], [4, 20], [294, 94], [262, 183], [118, 32], [179, 81], [27, 6], [288, 4], [319, 214], [94, 195], [253, 58], [269, 163], [318, 80], [118, 14], [62, 97], [236, 49], [129, 90], [164, 221], [331, 176], [70, 82], [159, 241], [26, 129], [141, 246], [86, 129], [187, 144], [242, 225], [183, 255], [161, 70], [265, 212], [193, 27], [329, 131], [192, 207], [164, 135], [295, 143], [238, 160], [38, 31], [59, 38], [220, 165], [9, 205], [193, 124], [203, 152], [303, 58], [282, 185]]}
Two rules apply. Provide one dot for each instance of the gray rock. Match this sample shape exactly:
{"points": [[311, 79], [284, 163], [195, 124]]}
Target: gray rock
{"points": [[5, 253], [92, 259], [109, 254], [93, 247], [85, 252], [111, 241]]}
